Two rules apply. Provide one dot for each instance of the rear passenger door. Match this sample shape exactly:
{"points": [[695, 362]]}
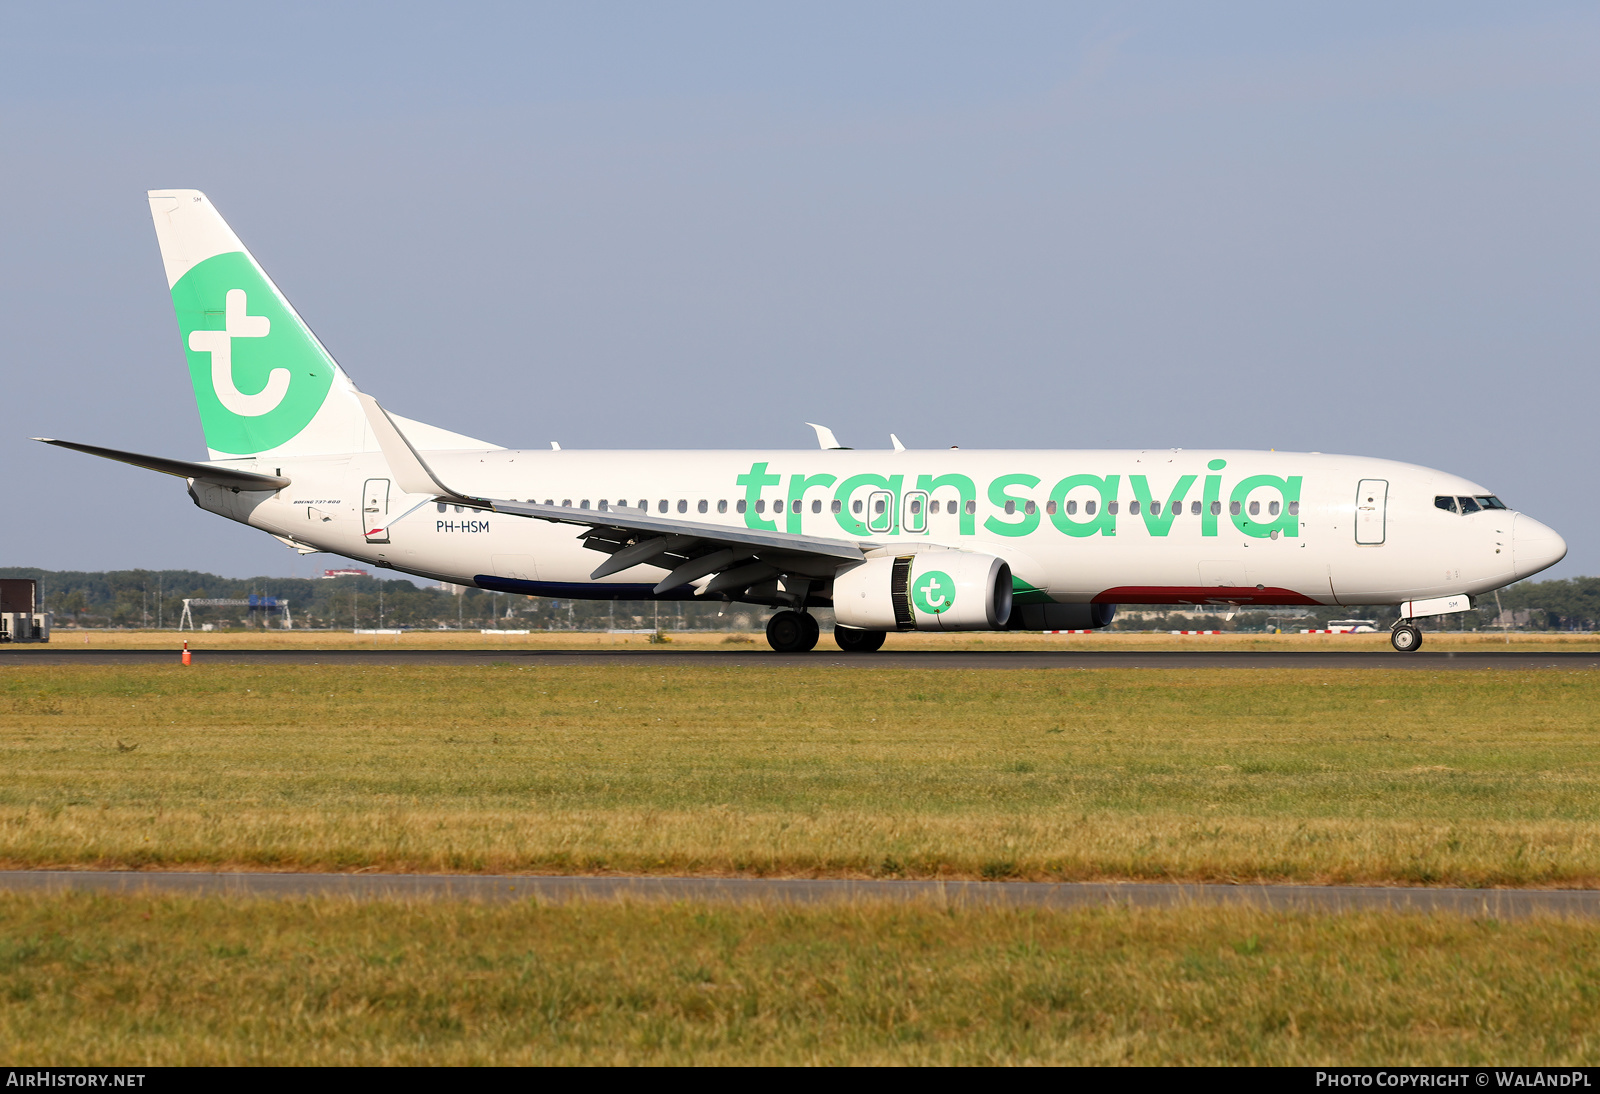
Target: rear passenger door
{"points": [[375, 510]]}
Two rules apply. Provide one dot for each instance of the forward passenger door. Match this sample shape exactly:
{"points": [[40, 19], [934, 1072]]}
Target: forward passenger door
{"points": [[1372, 504]]}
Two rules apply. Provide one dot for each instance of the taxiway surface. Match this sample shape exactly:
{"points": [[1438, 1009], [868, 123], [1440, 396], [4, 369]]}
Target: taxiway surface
{"points": [[827, 658], [1489, 903]]}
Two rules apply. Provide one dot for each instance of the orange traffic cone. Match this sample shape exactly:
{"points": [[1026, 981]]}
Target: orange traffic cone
{"points": [[186, 653]]}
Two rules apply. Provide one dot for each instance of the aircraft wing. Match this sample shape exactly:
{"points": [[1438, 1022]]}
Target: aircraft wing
{"points": [[641, 523], [738, 557], [734, 559]]}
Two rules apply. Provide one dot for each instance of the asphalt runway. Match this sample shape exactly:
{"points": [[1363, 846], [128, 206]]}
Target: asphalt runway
{"points": [[1487, 903], [825, 658]]}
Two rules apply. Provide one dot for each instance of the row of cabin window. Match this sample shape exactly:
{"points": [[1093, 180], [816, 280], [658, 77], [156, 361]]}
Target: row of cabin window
{"points": [[704, 506], [1463, 506], [1090, 508]]}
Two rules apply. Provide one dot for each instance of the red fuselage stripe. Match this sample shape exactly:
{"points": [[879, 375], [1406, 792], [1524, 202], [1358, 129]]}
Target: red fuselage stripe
{"points": [[1200, 594]]}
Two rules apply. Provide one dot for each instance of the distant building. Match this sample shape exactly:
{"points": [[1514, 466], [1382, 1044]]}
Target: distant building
{"points": [[20, 617], [19, 594], [343, 573], [1352, 626]]}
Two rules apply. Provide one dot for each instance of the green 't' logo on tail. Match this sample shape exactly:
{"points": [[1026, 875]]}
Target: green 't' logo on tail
{"points": [[259, 375]]}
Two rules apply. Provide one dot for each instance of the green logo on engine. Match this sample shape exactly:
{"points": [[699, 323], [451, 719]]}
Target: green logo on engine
{"points": [[259, 375], [933, 592]]}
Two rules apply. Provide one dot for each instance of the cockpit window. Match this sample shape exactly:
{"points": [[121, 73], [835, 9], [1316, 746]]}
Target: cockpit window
{"points": [[1479, 504]]}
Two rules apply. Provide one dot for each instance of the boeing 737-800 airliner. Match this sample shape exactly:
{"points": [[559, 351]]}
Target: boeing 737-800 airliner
{"points": [[942, 540]]}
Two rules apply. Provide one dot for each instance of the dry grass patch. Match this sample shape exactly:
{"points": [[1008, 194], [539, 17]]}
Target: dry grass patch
{"points": [[126, 981], [1386, 776]]}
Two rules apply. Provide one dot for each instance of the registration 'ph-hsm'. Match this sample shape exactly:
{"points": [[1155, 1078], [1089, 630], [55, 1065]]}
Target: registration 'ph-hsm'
{"points": [[892, 540]]}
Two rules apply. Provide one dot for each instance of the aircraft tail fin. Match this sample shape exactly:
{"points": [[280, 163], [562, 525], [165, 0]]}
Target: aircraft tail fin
{"points": [[263, 382]]}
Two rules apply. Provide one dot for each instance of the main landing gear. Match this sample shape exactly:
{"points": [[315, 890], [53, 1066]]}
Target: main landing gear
{"points": [[1406, 637], [797, 632], [851, 640], [793, 632]]}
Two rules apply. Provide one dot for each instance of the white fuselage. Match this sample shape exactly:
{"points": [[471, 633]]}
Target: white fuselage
{"points": [[1127, 527]]}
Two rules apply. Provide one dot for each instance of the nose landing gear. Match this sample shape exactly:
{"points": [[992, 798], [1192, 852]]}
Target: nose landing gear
{"points": [[793, 632], [1406, 637]]}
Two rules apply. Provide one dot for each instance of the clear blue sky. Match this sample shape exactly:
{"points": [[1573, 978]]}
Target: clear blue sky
{"points": [[1353, 227]]}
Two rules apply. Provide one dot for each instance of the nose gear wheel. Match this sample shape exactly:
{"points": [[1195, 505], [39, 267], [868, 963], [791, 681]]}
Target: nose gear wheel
{"points": [[1406, 638]]}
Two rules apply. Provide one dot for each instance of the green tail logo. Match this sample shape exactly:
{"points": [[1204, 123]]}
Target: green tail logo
{"points": [[259, 374]]}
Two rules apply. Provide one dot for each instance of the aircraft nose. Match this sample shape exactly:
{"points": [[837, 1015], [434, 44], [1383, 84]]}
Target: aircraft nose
{"points": [[1534, 546]]}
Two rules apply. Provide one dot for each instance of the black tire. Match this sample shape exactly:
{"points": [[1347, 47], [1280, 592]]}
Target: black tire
{"points": [[813, 631], [851, 640], [788, 632], [1406, 638]]}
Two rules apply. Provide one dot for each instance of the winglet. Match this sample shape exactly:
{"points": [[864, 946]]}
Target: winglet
{"points": [[411, 472], [898, 447], [825, 438]]}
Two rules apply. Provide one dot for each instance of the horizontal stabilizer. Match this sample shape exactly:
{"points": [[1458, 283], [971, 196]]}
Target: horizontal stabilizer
{"points": [[184, 469]]}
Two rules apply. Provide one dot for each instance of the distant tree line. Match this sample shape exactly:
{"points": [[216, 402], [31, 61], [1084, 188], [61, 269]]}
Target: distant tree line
{"points": [[154, 598], [1570, 604]]}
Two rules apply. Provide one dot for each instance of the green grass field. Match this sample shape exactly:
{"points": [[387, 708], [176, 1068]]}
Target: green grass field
{"points": [[1375, 776], [130, 981], [1381, 775]]}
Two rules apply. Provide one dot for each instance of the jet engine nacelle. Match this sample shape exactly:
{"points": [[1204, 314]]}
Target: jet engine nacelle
{"points": [[927, 591]]}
